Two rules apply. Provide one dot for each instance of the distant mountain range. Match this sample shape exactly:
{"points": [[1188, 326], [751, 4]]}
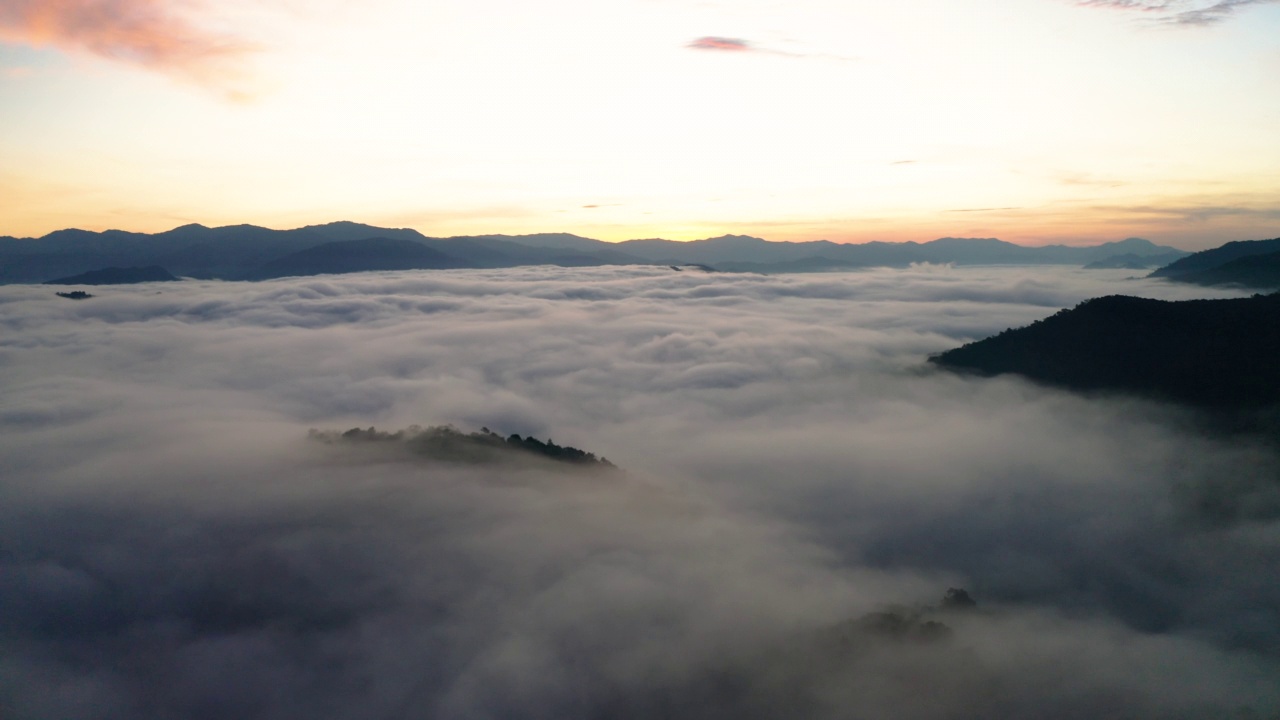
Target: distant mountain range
{"points": [[1248, 263], [248, 252], [116, 276], [1213, 354], [1131, 261]]}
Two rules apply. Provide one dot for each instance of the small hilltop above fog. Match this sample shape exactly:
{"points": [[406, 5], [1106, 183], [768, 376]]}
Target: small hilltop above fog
{"points": [[248, 252], [445, 443]]}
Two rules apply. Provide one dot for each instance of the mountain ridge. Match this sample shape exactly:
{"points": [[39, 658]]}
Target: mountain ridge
{"points": [[1246, 263], [117, 276], [238, 252]]}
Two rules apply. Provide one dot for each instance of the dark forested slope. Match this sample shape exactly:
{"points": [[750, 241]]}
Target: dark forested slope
{"points": [[448, 444], [1252, 271], [1196, 264], [1218, 354], [343, 256]]}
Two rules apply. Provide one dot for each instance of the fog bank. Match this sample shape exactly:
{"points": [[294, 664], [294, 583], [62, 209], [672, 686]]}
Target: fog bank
{"points": [[172, 545]]}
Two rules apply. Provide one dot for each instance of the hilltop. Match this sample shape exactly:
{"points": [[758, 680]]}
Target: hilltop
{"points": [[1246, 263], [1213, 354]]}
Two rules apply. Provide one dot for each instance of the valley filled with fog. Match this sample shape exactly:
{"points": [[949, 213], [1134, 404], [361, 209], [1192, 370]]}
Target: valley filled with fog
{"points": [[173, 544]]}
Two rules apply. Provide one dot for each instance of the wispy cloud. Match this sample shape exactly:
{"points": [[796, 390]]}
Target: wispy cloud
{"points": [[738, 45], [155, 34], [1178, 12], [721, 43], [1201, 213]]}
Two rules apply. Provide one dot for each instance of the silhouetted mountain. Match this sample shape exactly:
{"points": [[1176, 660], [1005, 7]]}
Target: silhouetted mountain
{"points": [[726, 248], [1207, 259], [347, 230], [1253, 271], [248, 251], [1218, 354], [345, 256], [190, 250], [745, 253], [74, 295], [552, 241], [117, 276], [561, 249], [234, 251], [1129, 261]]}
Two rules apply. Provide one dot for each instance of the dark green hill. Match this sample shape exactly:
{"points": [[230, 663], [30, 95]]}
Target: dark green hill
{"points": [[1208, 259], [1253, 271], [1218, 354], [448, 444], [117, 276], [347, 256]]}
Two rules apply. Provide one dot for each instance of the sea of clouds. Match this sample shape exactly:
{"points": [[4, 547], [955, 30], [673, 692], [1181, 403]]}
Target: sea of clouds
{"points": [[172, 545]]}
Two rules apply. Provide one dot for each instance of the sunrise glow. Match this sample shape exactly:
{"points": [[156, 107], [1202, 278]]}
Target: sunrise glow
{"points": [[1034, 121]]}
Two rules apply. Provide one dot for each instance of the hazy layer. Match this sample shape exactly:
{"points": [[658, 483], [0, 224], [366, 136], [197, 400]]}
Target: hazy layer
{"points": [[172, 545]]}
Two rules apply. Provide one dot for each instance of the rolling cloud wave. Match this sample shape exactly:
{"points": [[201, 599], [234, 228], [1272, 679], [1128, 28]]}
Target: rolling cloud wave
{"points": [[175, 546]]}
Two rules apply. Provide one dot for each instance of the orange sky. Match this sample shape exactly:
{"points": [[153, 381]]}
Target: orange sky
{"points": [[1034, 120]]}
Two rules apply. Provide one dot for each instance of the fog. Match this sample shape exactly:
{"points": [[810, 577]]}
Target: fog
{"points": [[173, 545]]}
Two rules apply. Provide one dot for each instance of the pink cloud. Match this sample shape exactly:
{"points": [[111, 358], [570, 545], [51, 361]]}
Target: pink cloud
{"points": [[150, 33], [720, 43]]}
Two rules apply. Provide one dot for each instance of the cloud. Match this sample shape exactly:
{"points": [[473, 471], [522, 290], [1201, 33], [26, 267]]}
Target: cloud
{"points": [[156, 34], [1200, 212], [175, 546], [1179, 12], [720, 43], [738, 45]]}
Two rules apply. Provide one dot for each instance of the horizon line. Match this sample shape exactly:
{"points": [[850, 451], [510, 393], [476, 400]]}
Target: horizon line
{"points": [[584, 237]]}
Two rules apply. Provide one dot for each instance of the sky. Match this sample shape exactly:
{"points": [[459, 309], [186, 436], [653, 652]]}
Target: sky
{"points": [[175, 546], [1035, 121]]}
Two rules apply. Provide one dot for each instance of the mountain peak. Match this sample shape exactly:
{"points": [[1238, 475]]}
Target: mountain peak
{"points": [[349, 230], [735, 239], [1133, 242], [343, 225], [966, 241]]}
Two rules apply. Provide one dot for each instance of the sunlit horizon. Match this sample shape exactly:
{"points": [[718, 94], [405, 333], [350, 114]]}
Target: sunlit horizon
{"points": [[1037, 122], [771, 232]]}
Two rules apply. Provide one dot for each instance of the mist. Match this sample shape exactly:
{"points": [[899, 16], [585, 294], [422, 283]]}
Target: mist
{"points": [[175, 544]]}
